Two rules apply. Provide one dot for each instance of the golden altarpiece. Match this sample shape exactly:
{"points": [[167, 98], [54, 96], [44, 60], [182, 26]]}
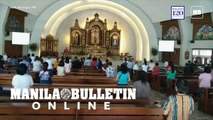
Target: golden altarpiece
{"points": [[95, 39], [49, 46]]}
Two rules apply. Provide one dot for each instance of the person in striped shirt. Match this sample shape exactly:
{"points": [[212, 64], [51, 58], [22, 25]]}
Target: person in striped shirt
{"points": [[179, 106]]}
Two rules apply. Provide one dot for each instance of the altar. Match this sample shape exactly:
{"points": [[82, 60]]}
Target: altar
{"points": [[98, 55], [95, 38]]}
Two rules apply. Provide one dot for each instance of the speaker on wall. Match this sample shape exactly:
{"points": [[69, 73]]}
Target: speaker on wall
{"points": [[178, 42]]}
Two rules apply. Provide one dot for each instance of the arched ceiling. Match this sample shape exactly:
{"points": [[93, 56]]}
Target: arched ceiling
{"points": [[156, 10], [61, 10]]}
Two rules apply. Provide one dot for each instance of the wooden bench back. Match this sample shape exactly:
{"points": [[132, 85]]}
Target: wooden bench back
{"points": [[83, 80], [10, 112]]}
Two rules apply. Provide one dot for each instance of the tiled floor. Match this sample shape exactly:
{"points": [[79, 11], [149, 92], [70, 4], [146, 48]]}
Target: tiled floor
{"points": [[196, 115]]}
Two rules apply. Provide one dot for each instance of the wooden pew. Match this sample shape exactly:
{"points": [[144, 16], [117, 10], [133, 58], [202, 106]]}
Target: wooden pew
{"points": [[118, 110], [6, 79], [87, 73], [83, 80], [115, 113], [192, 83], [205, 104]]}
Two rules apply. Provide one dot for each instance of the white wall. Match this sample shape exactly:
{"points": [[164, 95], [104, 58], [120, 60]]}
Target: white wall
{"points": [[3, 16], [30, 21], [128, 40], [29, 24]]}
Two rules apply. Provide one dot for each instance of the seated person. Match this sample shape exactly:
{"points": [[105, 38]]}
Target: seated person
{"points": [[205, 80], [44, 75], [135, 67], [67, 65], [76, 64], [142, 86], [94, 62], [21, 79], [60, 68], [109, 70], [99, 65], [179, 106], [1, 63], [88, 62], [151, 65], [123, 76]]}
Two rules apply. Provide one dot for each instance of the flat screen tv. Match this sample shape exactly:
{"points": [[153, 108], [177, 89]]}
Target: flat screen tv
{"points": [[166, 46], [20, 38]]}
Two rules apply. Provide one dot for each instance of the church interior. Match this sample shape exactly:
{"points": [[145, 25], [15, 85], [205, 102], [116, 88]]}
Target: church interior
{"points": [[108, 44]]}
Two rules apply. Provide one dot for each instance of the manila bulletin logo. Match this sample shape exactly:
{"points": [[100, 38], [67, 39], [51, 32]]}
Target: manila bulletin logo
{"points": [[178, 12], [197, 12]]}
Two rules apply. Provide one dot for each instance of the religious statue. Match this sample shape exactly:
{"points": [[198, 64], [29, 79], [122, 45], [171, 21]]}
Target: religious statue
{"points": [[95, 36], [114, 43], [114, 40], [66, 50], [76, 38]]}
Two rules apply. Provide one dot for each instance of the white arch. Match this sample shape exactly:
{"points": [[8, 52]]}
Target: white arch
{"points": [[133, 13]]}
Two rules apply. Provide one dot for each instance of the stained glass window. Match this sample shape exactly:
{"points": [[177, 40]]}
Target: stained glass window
{"points": [[204, 33], [12, 25], [173, 33]]}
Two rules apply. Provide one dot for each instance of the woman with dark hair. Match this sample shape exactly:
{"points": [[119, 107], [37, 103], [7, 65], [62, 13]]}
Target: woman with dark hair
{"points": [[123, 76], [1, 63], [21, 79], [171, 76], [37, 67], [67, 65], [99, 65], [142, 86], [179, 106], [204, 80], [61, 69], [155, 76], [144, 65], [94, 62], [45, 77]]}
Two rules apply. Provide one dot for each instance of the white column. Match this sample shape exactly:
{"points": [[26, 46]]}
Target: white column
{"points": [[186, 29], [4, 11]]}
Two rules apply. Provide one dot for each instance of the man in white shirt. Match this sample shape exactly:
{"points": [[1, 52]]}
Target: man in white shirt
{"points": [[50, 63], [32, 58], [21, 79], [5, 57], [135, 67], [151, 65], [50, 66]]}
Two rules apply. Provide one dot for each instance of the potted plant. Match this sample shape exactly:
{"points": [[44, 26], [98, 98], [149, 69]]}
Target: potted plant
{"points": [[33, 46], [154, 51]]}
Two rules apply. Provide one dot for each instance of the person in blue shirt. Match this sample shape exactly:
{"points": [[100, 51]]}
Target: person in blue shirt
{"points": [[45, 76], [123, 76]]}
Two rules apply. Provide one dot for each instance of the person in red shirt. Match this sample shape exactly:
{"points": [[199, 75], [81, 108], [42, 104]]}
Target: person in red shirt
{"points": [[94, 62], [155, 75], [156, 69]]}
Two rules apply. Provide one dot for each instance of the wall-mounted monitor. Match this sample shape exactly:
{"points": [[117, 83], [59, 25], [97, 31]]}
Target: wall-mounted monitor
{"points": [[166, 45], [20, 38]]}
